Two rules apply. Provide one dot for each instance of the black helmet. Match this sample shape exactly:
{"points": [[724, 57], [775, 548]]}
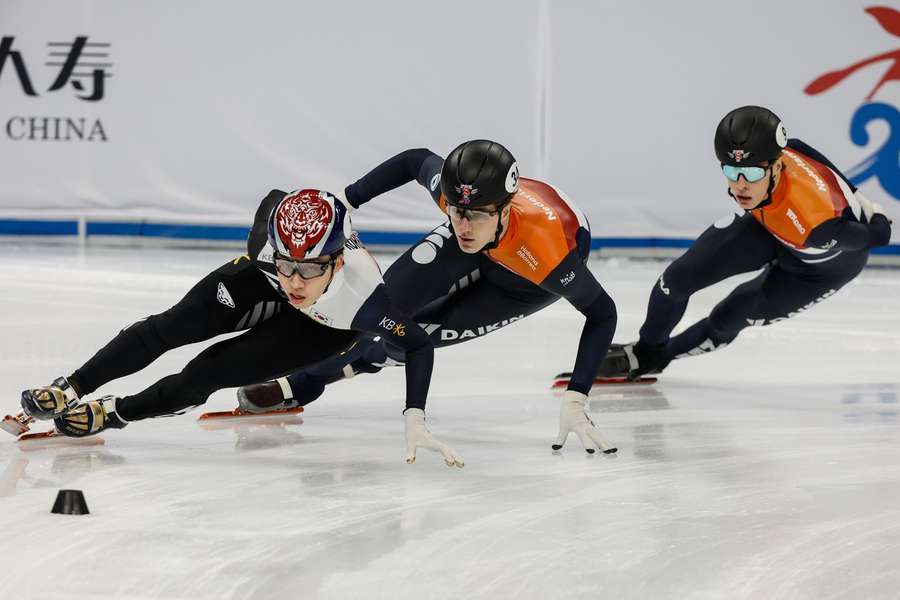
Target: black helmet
{"points": [[748, 136], [478, 173]]}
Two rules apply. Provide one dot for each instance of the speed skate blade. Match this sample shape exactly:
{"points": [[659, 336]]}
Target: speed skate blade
{"points": [[240, 420], [230, 414], [561, 383], [16, 425], [51, 439]]}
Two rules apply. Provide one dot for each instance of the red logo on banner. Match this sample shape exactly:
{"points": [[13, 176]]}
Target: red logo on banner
{"points": [[889, 19]]}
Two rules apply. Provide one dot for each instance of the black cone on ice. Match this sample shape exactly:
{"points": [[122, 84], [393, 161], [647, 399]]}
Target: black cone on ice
{"points": [[70, 502]]}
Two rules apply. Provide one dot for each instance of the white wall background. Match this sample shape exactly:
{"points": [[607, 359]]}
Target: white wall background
{"points": [[212, 104]]}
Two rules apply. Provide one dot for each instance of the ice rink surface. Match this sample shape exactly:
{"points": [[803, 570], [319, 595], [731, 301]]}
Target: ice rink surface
{"points": [[770, 469]]}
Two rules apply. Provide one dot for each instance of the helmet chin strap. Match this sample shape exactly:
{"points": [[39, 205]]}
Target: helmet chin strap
{"points": [[493, 244], [334, 258]]}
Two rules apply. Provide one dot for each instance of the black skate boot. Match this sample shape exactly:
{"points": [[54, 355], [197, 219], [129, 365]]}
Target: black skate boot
{"points": [[90, 418], [51, 401], [634, 360]]}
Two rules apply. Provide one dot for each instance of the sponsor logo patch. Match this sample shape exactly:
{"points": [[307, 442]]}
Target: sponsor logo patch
{"points": [[527, 257], [393, 326], [223, 296], [662, 286], [454, 334], [795, 220]]}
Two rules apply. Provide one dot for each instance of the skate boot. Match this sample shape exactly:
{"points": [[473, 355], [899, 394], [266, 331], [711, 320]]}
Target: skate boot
{"points": [[51, 401], [90, 418], [278, 394], [634, 360], [266, 396]]}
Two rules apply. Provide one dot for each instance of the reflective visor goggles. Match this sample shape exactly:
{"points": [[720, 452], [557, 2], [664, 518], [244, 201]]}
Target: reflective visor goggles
{"points": [[305, 269], [474, 215], [751, 174]]}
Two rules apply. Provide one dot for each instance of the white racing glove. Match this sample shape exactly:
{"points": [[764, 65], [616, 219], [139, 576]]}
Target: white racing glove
{"points": [[573, 418], [418, 436], [869, 208]]}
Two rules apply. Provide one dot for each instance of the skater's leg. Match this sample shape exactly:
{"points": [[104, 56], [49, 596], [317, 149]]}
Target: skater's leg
{"points": [[233, 297], [779, 293], [272, 349], [725, 249], [730, 246]]}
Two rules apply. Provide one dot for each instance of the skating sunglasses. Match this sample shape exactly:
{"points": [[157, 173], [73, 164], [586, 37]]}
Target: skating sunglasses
{"points": [[751, 174], [474, 215], [305, 269]]}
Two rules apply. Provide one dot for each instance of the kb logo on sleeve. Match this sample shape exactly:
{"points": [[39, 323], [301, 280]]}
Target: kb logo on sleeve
{"points": [[393, 326]]}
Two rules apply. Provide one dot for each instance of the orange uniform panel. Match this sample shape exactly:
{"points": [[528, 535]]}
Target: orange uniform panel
{"points": [[807, 195], [541, 232]]}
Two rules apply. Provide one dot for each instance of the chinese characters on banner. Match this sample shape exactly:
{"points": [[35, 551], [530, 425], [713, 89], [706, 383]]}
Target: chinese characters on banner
{"points": [[81, 66]]}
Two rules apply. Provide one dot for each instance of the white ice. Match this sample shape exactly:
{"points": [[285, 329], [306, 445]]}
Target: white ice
{"points": [[769, 469]]}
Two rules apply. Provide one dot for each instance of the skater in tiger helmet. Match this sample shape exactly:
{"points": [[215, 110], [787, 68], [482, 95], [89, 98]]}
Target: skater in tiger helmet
{"points": [[303, 293]]}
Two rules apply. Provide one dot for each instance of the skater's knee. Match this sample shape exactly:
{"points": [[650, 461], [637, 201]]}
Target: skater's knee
{"points": [[677, 281], [199, 379], [732, 315], [724, 325], [148, 332]]}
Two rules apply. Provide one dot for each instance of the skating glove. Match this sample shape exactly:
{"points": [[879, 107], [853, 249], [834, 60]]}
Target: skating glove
{"points": [[418, 436], [573, 418]]}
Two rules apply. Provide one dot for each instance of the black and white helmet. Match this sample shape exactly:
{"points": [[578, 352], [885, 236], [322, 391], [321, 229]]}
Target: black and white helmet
{"points": [[750, 135], [479, 173]]}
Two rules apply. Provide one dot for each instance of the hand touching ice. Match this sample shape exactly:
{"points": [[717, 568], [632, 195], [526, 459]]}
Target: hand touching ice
{"points": [[574, 419], [418, 436]]}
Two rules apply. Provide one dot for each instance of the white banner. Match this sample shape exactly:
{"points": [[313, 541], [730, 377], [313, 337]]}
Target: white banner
{"points": [[190, 112]]}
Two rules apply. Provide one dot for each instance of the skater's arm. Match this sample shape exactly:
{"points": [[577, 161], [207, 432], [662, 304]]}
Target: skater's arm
{"points": [[575, 282], [844, 234], [379, 316], [410, 165]]}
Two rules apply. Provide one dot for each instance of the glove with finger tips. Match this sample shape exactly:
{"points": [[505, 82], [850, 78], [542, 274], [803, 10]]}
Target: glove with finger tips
{"points": [[418, 436], [574, 419]]}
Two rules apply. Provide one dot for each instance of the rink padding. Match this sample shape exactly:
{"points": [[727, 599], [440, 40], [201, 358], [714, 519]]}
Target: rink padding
{"points": [[236, 233]]}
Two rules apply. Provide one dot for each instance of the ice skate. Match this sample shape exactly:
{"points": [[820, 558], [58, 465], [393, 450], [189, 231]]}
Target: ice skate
{"points": [[51, 401], [90, 418], [619, 367], [270, 398]]}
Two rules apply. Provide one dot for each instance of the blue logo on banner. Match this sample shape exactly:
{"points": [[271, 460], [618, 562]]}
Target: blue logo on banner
{"points": [[884, 164]]}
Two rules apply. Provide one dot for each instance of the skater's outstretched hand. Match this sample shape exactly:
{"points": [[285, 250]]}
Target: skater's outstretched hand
{"points": [[418, 436], [574, 419]]}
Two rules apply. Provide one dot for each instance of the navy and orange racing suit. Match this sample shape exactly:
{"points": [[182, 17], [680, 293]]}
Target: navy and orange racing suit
{"points": [[811, 237]]}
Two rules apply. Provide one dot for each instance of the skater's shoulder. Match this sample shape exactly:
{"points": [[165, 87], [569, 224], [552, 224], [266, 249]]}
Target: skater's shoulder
{"points": [[359, 261], [543, 226], [811, 190]]}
